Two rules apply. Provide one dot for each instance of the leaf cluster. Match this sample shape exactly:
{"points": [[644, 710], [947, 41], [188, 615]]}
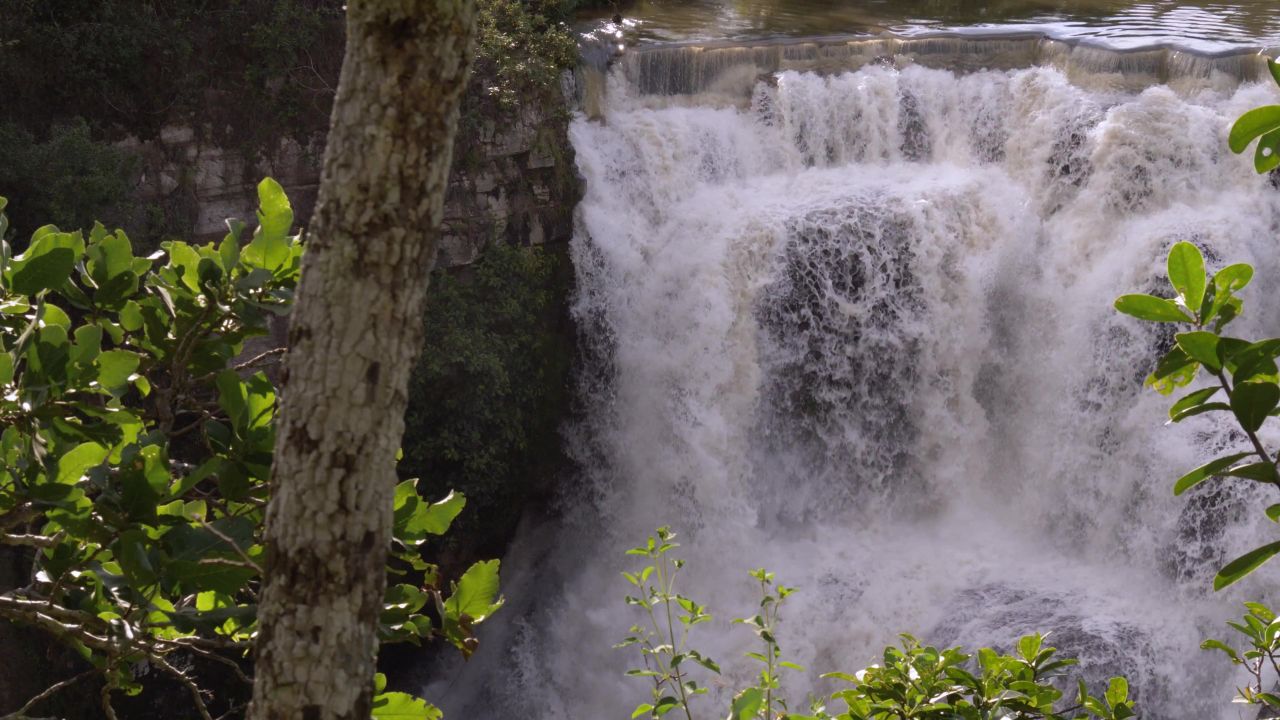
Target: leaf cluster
{"points": [[1261, 124], [489, 390], [136, 450], [1260, 629], [913, 681], [919, 681], [1243, 376]]}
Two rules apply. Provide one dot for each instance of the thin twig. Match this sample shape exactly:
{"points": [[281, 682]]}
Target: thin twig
{"points": [[188, 683], [224, 538], [40, 541], [48, 693], [105, 696]]}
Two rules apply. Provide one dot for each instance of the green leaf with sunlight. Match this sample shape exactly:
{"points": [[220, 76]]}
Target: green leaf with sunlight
{"points": [[1252, 401], [1186, 273], [1191, 400], [270, 248], [1233, 278], [403, 706], [1201, 346], [476, 592], [1245, 564], [1253, 125], [1206, 471], [1267, 155], [1149, 307]]}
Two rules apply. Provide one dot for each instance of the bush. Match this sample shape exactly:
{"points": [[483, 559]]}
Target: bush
{"points": [[1243, 381], [487, 395], [68, 179], [521, 48], [135, 455], [137, 65], [914, 681]]}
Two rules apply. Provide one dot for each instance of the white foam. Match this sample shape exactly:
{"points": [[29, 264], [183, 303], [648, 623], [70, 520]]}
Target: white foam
{"points": [[861, 333]]}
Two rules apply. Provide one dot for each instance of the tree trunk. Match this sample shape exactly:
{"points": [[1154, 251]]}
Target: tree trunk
{"points": [[355, 333]]}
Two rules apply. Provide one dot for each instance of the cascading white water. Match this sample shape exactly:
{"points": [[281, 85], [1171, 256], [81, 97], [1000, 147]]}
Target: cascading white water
{"points": [[859, 331]]}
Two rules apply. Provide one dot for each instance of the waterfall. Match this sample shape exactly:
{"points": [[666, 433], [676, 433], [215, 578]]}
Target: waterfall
{"points": [[853, 324]]}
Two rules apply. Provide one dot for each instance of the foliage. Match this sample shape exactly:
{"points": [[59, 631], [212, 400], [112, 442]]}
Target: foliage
{"points": [[68, 179], [521, 49], [1261, 628], [1261, 124], [662, 648], [914, 681], [1251, 394], [139, 65], [1243, 376], [137, 445], [484, 399]]}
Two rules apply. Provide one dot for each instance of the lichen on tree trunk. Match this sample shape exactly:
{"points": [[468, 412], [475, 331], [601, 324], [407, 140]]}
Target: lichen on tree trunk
{"points": [[354, 335]]}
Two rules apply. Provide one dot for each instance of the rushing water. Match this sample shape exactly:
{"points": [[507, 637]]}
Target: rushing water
{"points": [[853, 323]]}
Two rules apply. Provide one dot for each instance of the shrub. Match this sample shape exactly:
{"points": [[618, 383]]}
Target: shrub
{"points": [[67, 179], [914, 681], [489, 390], [136, 450], [1244, 381]]}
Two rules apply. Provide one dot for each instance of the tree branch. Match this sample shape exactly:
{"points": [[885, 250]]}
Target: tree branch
{"points": [[48, 693]]}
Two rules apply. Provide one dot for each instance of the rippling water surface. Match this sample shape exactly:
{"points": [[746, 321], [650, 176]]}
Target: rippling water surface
{"points": [[1210, 27]]}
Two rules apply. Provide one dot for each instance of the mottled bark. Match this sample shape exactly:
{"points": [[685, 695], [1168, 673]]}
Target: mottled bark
{"points": [[355, 332]]}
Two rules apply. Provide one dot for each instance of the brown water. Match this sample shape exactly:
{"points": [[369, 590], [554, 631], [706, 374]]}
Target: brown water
{"points": [[1201, 26]]}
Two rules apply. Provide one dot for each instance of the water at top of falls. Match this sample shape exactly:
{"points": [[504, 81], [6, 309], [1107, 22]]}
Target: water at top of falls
{"points": [[857, 329], [1204, 26]]}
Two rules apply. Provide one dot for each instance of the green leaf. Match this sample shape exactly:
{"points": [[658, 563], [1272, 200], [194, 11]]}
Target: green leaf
{"points": [[229, 250], [1201, 346], [1186, 273], [1251, 401], [1149, 307], [476, 593], [6, 368], [131, 552], [1191, 400], [1219, 645], [88, 344], [232, 397], [1117, 691], [115, 367], [1245, 564], [113, 291], [72, 465], [1267, 155], [1272, 65], [131, 316], [1233, 278], [1260, 471], [414, 518], [747, 705], [1176, 369], [1252, 125], [1199, 410], [439, 516], [195, 543], [403, 706], [197, 576], [269, 248], [43, 272], [1273, 512], [1206, 471]]}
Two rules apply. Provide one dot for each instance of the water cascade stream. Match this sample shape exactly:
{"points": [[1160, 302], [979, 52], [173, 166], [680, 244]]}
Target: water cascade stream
{"points": [[848, 316]]}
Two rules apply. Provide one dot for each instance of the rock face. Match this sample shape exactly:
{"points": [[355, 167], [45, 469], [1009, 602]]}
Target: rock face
{"points": [[513, 181]]}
